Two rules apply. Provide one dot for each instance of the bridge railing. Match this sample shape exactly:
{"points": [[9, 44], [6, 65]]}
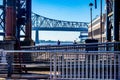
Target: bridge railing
{"points": [[85, 66], [60, 64], [110, 46]]}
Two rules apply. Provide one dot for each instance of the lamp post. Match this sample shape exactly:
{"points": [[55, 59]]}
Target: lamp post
{"points": [[101, 19], [91, 4]]}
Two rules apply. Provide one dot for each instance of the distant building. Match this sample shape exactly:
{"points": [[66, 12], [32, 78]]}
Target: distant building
{"points": [[110, 24], [96, 29], [83, 36]]}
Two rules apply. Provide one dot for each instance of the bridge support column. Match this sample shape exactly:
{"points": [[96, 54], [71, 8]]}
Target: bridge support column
{"points": [[116, 20], [37, 37], [28, 27], [10, 20], [28, 22]]}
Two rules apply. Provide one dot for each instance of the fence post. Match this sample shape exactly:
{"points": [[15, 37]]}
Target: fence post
{"points": [[118, 66], [55, 66], [51, 66], [9, 61]]}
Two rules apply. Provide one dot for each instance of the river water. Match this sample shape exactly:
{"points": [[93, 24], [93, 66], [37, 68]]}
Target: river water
{"points": [[54, 43]]}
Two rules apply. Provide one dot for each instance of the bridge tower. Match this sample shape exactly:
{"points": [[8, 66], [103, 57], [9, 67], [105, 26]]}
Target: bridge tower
{"points": [[18, 19], [112, 20]]}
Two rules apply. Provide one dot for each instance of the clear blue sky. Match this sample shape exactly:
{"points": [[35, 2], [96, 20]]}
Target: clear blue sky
{"points": [[70, 10]]}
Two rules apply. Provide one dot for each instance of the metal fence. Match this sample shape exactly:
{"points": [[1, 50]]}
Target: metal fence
{"points": [[62, 65], [85, 66]]}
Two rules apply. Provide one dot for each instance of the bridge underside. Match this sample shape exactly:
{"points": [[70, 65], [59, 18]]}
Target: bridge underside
{"points": [[37, 29], [60, 29]]}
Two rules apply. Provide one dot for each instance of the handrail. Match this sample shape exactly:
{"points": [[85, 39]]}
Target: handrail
{"points": [[57, 51], [82, 47], [39, 57]]}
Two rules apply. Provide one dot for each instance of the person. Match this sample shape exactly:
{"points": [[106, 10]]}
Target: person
{"points": [[58, 42], [74, 42]]}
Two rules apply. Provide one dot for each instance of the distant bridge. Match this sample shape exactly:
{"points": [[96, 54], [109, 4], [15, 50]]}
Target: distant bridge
{"points": [[43, 23], [47, 24], [40, 23]]}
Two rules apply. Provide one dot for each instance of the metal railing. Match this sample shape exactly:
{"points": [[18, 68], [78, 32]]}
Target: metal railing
{"points": [[61, 65], [109, 46], [85, 66], [24, 64]]}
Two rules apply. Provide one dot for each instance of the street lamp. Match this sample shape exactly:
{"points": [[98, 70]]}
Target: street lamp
{"points": [[91, 4]]}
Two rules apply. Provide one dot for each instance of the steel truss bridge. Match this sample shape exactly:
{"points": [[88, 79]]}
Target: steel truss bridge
{"points": [[43, 23], [23, 22], [47, 24], [93, 61], [24, 17], [40, 23]]}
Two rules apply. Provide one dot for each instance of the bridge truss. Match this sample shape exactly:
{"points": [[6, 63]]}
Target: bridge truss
{"points": [[2, 18], [22, 21], [43, 23], [46, 24]]}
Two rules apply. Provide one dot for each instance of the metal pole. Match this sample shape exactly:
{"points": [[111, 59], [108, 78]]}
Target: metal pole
{"points": [[95, 4], [101, 19], [91, 23], [91, 4]]}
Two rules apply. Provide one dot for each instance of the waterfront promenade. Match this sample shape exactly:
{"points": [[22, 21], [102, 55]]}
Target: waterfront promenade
{"points": [[78, 62]]}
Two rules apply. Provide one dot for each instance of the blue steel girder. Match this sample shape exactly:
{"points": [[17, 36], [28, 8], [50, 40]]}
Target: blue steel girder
{"points": [[43, 23], [2, 18], [21, 18]]}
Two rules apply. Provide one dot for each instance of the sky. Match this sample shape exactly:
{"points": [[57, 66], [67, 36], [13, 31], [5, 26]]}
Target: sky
{"points": [[67, 10]]}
